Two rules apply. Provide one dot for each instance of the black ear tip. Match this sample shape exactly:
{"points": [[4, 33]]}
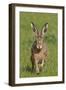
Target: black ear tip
{"points": [[46, 23], [32, 23]]}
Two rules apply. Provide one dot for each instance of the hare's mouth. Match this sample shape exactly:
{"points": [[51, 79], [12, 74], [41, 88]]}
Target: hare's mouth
{"points": [[39, 47]]}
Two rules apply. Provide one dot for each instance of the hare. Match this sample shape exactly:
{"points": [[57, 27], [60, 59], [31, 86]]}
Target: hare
{"points": [[39, 48]]}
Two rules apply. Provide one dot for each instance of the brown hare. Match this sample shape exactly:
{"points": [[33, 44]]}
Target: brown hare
{"points": [[39, 48]]}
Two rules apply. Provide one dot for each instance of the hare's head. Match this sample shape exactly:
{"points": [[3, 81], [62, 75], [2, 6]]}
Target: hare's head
{"points": [[39, 34]]}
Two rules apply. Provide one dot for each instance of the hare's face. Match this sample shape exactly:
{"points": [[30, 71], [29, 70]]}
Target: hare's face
{"points": [[39, 40], [39, 34]]}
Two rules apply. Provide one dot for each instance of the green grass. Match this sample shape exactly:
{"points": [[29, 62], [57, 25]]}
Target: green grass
{"points": [[27, 38]]}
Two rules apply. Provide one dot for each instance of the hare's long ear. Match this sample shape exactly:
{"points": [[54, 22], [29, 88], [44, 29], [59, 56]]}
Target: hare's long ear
{"points": [[45, 28], [33, 27]]}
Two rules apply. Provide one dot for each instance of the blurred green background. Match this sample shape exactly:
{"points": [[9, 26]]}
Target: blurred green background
{"points": [[27, 38]]}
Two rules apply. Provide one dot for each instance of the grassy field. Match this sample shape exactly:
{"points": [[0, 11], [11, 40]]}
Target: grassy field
{"points": [[27, 38]]}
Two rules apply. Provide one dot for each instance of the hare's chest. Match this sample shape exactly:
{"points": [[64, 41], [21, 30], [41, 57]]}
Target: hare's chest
{"points": [[39, 55]]}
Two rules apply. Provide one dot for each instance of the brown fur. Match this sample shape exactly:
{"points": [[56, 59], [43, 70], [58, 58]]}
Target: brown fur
{"points": [[38, 55], [38, 52]]}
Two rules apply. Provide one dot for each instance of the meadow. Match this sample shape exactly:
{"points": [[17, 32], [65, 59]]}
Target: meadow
{"points": [[27, 38]]}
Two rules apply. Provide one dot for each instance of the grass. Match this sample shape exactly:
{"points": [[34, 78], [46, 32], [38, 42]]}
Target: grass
{"points": [[27, 38]]}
